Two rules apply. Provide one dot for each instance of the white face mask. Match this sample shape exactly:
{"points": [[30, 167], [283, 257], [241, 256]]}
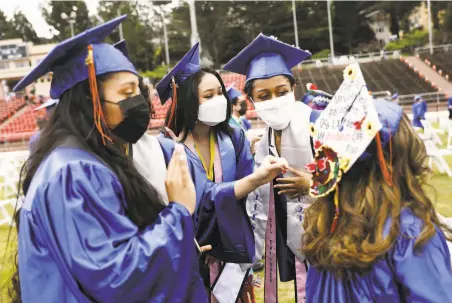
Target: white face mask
{"points": [[213, 112], [276, 113]]}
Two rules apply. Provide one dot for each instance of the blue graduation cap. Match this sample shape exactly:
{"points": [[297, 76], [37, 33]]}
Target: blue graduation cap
{"points": [[395, 96], [389, 114], [186, 67], [266, 57], [417, 97], [47, 104], [122, 47], [68, 62], [233, 92]]}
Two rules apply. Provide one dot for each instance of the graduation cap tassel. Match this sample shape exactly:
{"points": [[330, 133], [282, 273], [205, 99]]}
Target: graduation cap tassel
{"points": [[99, 119], [386, 174], [173, 105], [336, 212]]}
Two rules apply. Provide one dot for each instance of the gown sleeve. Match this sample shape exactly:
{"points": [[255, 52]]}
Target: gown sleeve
{"points": [[222, 220], [424, 275], [82, 213]]}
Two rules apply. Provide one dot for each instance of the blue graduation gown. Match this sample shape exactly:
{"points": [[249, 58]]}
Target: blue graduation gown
{"points": [[419, 110], [221, 220], [33, 141], [403, 275], [246, 124], [76, 243]]}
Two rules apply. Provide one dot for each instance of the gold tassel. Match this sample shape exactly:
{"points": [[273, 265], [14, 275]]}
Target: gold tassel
{"points": [[99, 119]]}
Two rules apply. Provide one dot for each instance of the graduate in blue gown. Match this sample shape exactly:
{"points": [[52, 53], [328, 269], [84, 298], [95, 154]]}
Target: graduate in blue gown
{"points": [[198, 117], [238, 108], [91, 228], [419, 109], [375, 237], [276, 212]]}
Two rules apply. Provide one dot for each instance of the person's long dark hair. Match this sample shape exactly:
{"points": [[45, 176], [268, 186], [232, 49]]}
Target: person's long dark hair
{"points": [[186, 114], [74, 117]]}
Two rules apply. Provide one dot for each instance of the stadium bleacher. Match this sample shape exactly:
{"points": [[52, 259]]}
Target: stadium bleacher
{"points": [[18, 120], [441, 60], [8, 108], [385, 75]]}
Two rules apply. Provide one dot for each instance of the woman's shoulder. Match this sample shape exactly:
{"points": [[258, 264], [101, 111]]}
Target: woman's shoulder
{"points": [[410, 224], [66, 168]]}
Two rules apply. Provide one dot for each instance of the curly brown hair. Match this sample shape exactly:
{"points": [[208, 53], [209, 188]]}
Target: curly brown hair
{"points": [[366, 203]]}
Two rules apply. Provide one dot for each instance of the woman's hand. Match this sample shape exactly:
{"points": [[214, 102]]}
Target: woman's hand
{"points": [[269, 169], [296, 186], [254, 140], [173, 135], [179, 185]]}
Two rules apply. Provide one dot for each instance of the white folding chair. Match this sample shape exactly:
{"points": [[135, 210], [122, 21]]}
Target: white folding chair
{"points": [[435, 154]]}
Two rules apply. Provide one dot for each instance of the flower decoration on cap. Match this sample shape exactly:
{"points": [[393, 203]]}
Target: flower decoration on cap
{"points": [[313, 130], [342, 134], [350, 73], [311, 87]]}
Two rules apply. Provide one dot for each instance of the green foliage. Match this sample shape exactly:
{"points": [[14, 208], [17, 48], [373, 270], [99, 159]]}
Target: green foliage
{"points": [[350, 26], [23, 28], [17, 28], [409, 41], [156, 74], [52, 11], [324, 53], [136, 31], [6, 31]]}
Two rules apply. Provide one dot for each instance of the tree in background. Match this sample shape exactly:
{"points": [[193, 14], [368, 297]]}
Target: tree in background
{"points": [[448, 20], [23, 28], [53, 10], [137, 32], [350, 26], [7, 31]]}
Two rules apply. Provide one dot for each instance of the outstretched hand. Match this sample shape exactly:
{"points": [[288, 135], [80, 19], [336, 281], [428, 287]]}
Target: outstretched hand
{"points": [[296, 186], [270, 168]]}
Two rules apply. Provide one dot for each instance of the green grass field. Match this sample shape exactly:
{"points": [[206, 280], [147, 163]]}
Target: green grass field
{"points": [[441, 183]]}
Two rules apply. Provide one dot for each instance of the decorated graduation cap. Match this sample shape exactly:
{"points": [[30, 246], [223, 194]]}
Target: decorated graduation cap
{"points": [[343, 132], [49, 103], [317, 96], [266, 57], [80, 58], [167, 87]]}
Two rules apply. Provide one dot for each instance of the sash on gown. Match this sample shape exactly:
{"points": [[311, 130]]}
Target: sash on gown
{"points": [[214, 264]]}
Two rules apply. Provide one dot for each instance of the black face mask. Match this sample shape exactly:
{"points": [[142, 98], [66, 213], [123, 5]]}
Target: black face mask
{"points": [[135, 111]]}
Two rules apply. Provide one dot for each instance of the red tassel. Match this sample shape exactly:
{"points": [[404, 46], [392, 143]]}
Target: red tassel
{"points": [[99, 119], [336, 213], [386, 174], [173, 106]]}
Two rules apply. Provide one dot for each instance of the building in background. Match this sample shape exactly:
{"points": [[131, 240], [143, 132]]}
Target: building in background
{"points": [[17, 58]]}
